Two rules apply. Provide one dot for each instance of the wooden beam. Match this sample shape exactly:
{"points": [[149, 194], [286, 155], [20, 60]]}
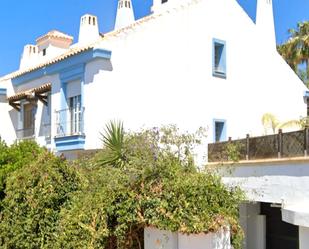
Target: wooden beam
{"points": [[16, 106], [42, 98]]}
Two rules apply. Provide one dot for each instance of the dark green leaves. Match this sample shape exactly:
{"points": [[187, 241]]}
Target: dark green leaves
{"points": [[140, 179]]}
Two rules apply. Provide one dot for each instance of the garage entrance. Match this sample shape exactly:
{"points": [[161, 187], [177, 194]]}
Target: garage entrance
{"points": [[279, 234]]}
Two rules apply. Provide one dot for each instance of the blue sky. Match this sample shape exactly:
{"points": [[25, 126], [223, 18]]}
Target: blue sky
{"points": [[21, 22]]}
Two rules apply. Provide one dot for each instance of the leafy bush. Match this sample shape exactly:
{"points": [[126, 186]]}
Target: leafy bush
{"points": [[35, 194], [149, 179], [139, 179], [14, 157]]}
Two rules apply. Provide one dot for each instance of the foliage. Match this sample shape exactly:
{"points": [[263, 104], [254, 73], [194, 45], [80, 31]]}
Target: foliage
{"points": [[14, 157], [296, 50], [113, 142], [270, 121], [106, 201], [35, 194], [156, 185], [233, 151]]}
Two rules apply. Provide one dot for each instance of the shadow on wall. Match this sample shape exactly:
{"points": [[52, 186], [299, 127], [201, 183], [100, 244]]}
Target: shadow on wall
{"points": [[14, 119], [97, 66], [45, 123]]}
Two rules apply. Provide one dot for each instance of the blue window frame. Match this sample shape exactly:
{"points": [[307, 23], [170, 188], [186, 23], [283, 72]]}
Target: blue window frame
{"points": [[219, 58], [219, 130]]}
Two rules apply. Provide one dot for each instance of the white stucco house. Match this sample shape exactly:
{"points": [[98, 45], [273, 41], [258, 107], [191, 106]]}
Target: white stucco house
{"points": [[190, 62]]}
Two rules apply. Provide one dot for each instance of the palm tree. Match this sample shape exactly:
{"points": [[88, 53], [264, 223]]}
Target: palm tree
{"points": [[113, 141], [291, 54], [270, 121], [296, 50]]}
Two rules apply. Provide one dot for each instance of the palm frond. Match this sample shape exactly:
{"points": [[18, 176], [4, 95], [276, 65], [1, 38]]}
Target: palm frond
{"points": [[113, 141], [290, 124], [269, 120]]}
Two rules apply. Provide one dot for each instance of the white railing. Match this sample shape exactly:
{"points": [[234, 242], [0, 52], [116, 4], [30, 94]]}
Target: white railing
{"points": [[70, 122], [26, 133]]}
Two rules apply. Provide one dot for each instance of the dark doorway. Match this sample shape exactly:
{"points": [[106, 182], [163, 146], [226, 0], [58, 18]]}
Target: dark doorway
{"points": [[279, 234]]}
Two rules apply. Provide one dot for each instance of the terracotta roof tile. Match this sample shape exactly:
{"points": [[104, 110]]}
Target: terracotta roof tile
{"points": [[77, 50]]}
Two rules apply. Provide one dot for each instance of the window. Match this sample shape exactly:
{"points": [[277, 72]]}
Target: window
{"points": [[75, 111], [219, 130], [219, 58], [27, 115], [44, 51], [164, 1]]}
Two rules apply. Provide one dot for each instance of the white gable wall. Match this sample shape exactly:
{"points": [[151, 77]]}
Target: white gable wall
{"points": [[162, 73]]}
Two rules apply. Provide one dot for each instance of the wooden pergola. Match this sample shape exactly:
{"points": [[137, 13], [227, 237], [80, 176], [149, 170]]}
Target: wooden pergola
{"points": [[39, 93]]}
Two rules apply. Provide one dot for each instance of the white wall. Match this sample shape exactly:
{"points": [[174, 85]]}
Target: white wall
{"points": [[272, 181], [254, 226], [220, 240], [7, 132], [158, 239], [162, 73], [9, 116], [303, 237]]}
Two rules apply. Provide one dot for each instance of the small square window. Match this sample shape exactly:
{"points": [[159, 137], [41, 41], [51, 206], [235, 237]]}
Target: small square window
{"points": [[219, 58]]}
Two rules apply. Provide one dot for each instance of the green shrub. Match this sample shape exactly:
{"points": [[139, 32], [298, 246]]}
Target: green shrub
{"points": [[14, 157], [148, 180], [140, 179], [35, 194]]}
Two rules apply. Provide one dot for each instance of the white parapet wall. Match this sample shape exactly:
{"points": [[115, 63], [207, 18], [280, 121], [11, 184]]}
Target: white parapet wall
{"points": [[160, 239], [283, 181]]}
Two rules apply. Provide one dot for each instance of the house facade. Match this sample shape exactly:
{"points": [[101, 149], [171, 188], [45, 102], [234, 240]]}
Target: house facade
{"points": [[273, 171], [192, 63]]}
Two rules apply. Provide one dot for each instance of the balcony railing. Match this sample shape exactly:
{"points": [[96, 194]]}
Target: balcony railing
{"points": [[70, 122], [281, 145], [27, 133]]}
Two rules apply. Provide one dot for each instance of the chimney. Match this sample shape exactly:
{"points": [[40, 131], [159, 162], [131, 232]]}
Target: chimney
{"points": [[265, 22], [29, 57], [157, 5], [89, 29], [125, 14]]}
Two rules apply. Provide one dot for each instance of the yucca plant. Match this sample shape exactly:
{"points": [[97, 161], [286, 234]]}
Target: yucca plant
{"points": [[113, 142]]}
